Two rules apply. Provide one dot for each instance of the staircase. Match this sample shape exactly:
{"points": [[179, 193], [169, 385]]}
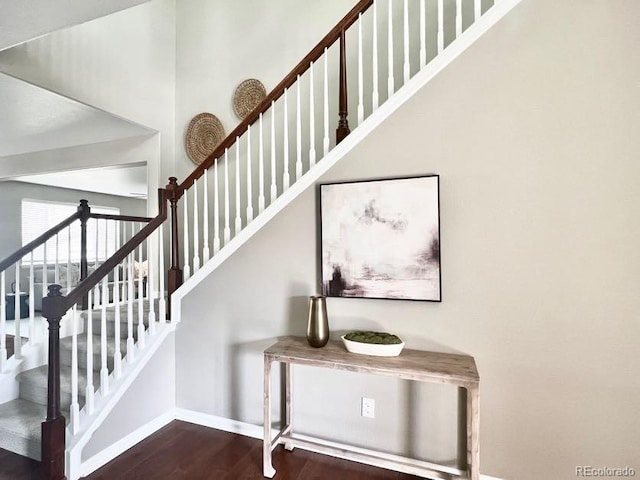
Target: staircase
{"points": [[275, 153], [21, 419]]}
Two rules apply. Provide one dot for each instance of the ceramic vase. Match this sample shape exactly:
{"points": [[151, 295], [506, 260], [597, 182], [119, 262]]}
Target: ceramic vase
{"points": [[318, 323]]}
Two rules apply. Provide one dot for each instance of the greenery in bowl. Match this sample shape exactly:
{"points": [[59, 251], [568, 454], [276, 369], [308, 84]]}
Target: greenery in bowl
{"points": [[378, 338]]}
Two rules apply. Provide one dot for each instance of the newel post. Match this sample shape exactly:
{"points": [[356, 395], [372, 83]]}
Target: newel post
{"points": [[53, 428], [85, 211], [174, 278], [343, 124]]}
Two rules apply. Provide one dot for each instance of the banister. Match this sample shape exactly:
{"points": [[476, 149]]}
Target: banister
{"points": [[14, 257], [315, 53], [123, 218]]}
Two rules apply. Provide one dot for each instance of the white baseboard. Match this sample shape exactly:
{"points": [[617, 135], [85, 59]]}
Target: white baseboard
{"points": [[125, 443], [219, 423]]}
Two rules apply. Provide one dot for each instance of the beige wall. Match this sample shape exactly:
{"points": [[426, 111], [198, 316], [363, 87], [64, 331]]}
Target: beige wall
{"points": [[534, 132]]}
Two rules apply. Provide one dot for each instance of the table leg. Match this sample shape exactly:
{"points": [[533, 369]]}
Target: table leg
{"points": [[267, 467], [288, 427], [473, 433]]}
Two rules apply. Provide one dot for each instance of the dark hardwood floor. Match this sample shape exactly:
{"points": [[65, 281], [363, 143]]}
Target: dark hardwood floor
{"points": [[191, 452]]}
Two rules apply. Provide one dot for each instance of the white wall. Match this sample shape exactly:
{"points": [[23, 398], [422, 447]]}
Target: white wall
{"points": [[220, 44], [534, 133], [123, 63]]}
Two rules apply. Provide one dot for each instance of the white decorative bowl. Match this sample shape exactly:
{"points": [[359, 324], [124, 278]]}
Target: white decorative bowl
{"points": [[375, 349]]}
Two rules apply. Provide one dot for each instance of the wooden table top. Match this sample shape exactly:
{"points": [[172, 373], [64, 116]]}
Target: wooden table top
{"points": [[410, 364]]}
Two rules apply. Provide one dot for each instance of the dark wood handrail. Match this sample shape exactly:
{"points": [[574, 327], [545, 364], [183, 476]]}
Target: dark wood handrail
{"points": [[103, 270], [14, 257], [315, 53], [123, 218]]}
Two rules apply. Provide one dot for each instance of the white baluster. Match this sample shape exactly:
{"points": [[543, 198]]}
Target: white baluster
{"points": [[325, 141], [75, 407], [151, 295], [249, 184], [238, 219], [89, 391], [407, 66], [130, 295], [205, 216], [260, 166], [312, 119], [423, 34], [117, 354], [390, 81], [374, 95], [3, 322], [440, 26], [45, 284], [141, 332], [97, 298], [216, 210], [285, 177], [162, 305], [105, 284], [274, 188], [227, 215], [32, 304], [56, 269], [477, 10], [298, 132], [17, 341], [104, 370], [360, 73], [196, 233], [68, 260], [186, 269], [458, 18]]}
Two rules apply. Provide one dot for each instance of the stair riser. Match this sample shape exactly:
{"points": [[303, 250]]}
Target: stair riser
{"points": [[38, 394], [22, 446], [111, 327], [65, 359]]}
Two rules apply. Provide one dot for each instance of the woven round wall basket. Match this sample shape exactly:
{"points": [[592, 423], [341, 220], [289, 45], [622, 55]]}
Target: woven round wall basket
{"points": [[248, 95], [204, 134]]}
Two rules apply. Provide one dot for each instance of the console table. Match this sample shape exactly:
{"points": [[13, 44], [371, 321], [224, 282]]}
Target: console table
{"points": [[417, 365]]}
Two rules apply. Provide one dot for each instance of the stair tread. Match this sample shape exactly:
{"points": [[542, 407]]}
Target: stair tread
{"points": [[22, 418]]}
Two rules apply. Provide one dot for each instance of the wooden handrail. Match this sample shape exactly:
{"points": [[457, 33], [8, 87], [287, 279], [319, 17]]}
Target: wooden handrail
{"points": [[14, 257], [123, 218], [315, 53]]}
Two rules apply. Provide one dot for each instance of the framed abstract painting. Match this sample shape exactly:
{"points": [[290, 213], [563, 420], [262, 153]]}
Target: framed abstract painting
{"points": [[381, 239]]}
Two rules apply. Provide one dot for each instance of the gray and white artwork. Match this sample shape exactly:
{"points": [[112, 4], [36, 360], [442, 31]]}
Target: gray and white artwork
{"points": [[381, 239]]}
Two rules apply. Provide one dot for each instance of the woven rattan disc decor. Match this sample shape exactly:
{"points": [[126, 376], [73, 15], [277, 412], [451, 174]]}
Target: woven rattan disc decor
{"points": [[248, 96], [204, 134]]}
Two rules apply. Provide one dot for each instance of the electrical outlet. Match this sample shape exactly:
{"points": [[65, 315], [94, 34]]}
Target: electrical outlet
{"points": [[368, 407]]}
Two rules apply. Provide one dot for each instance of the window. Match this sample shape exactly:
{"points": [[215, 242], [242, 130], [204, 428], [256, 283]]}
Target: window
{"points": [[38, 216]]}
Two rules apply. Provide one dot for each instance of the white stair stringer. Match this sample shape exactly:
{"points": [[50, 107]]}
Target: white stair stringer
{"points": [[403, 94]]}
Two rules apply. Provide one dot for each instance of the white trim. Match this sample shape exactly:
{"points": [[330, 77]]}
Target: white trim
{"points": [[105, 456], [219, 423], [255, 431], [434, 67]]}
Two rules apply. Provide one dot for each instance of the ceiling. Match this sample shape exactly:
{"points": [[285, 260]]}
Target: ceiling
{"points": [[49, 139], [125, 181], [35, 119], [24, 20]]}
